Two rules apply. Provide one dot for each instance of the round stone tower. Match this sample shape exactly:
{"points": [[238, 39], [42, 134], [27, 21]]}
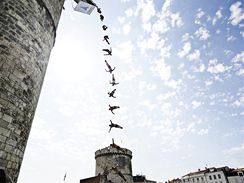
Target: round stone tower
{"points": [[115, 163], [27, 35]]}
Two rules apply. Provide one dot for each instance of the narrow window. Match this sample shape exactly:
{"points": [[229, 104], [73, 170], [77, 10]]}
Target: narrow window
{"points": [[214, 176], [219, 176], [210, 178]]}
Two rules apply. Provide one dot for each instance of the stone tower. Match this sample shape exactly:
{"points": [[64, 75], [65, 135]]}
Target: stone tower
{"points": [[110, 157], [27, 35]]}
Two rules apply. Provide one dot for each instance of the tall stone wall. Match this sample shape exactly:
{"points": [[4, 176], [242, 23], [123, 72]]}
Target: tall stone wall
{"points": [[109, 157], [27, 35]]}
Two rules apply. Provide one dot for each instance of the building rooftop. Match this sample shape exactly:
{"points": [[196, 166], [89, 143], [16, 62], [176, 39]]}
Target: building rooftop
{"points": [[228, 171], [142, 178], [96, 179]]}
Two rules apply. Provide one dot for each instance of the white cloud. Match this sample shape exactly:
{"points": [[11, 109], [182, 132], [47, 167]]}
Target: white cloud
{"points": [[148, 104], [231, 38], [144, 85], [239, 102], [129, 12], [185, 50], [125, 1], [228, 52], [167, 131], [217, 16], [166, 95], [242, 34], [175, 84], [199, 14], [195, 104], [201, 68], [162, 69], [209, 18], [124, 51], [194, 56], [166, 5], [218, 31], [215, 67], [155, 42], [237, 14], [202, 131], [146, 8], [218, 68], [202, 33], [130, 74], [167, 19], [165, 51], [186, 37], [161, 25], [40, 131], [166, 106], [240, 72], [239, 57], [121, 20], [150, 43], [147, 26], [235, 150], [208, 82], [176, 20], [126, 28]]}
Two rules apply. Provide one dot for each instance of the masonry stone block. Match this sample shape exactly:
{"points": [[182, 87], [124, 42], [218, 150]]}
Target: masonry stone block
{"points": [[110, 157], [27, 35]]}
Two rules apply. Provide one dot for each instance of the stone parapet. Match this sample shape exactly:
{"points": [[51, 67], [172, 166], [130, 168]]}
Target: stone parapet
{"points": [[109, 150]]}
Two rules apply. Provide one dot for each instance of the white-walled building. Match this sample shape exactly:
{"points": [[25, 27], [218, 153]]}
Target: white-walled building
{"points": [[236, 176], [215, 175]]}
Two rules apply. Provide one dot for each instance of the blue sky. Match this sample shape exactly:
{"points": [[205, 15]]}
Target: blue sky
{"points": [[181, 91]]}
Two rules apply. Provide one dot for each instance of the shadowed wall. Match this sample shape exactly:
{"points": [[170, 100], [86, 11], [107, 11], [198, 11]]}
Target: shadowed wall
{"points": [[27, 35]]}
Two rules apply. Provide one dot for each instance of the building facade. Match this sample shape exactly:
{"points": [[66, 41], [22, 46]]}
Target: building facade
{"points": [[215, 175], [236, 176], [142, 179], [27, 36]]}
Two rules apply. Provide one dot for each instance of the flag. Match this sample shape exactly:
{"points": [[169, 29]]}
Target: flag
{"points": [[64, 176], [84, 7]]}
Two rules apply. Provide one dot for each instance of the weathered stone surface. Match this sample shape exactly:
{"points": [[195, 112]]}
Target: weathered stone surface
{"points": [[27, 35], [109, 157]]}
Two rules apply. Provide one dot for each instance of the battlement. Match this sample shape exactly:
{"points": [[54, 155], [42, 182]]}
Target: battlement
{"points": [[113, 151]]}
